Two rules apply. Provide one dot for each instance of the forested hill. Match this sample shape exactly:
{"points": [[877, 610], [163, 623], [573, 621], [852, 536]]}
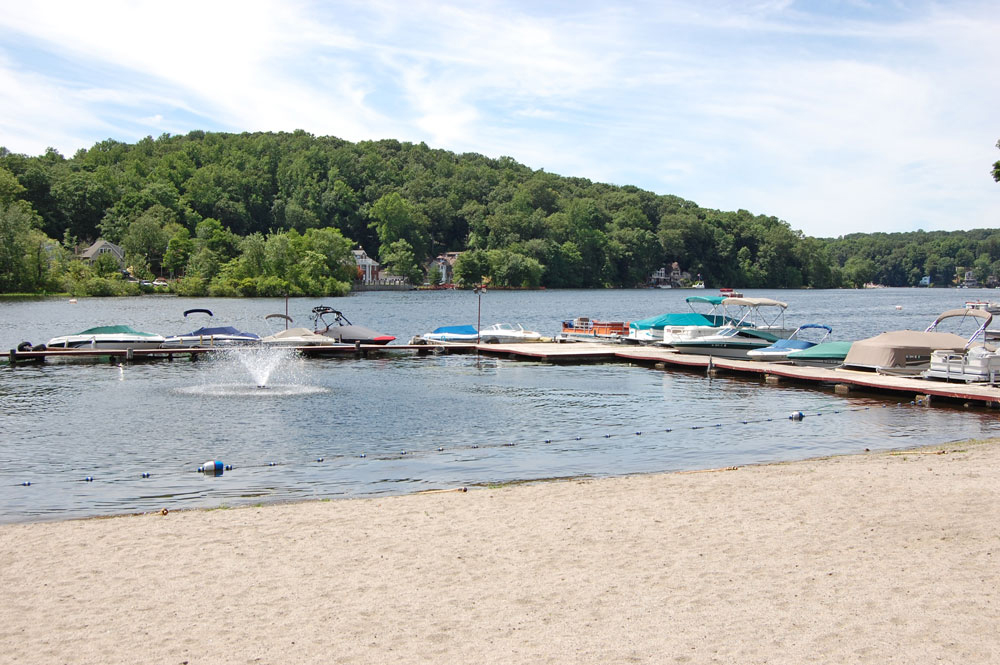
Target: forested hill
{"points": [[256, 213]]}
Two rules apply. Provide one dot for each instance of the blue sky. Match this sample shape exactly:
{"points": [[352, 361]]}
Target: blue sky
{"points": [[833, 116]]}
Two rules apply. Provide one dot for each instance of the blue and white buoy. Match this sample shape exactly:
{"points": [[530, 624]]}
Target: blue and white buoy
{"points": [[212, 468]]}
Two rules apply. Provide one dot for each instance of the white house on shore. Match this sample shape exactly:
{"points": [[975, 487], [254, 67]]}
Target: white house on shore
{"points": [[367, 266]]}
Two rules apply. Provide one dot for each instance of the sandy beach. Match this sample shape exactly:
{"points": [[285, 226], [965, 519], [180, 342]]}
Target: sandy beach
{"points": [[873, 558]]}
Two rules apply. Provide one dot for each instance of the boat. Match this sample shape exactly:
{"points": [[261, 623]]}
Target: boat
{"points": [[979, 364], [908, 352], [210, 337], [826, 354], [107, 337], [681, 325], [754, 328], [498, 333], [295, 337], [729, 342], [342, 330], [584, 329], [779, 351], [989, 306], [727, 292]]}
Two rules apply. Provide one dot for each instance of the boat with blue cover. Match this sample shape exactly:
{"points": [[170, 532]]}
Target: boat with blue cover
{"points": [[498, 333], [210, 337], [779, 351]]}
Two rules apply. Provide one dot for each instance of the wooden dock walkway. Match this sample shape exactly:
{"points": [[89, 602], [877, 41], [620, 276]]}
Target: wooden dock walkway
{"points": [[840, 380]]}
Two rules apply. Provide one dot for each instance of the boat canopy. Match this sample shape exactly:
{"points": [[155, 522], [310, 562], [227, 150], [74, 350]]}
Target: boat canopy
{"points": [[890, 349], [222, 330], [115, 330], [754, 302], [684, 319], [711, 300], [456, 330]]}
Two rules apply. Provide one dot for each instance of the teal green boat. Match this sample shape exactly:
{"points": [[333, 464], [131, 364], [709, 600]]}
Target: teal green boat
{"points": [[827, 354]]}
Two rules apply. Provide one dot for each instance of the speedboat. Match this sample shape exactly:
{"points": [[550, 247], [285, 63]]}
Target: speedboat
{"points": [[294, 337], [342, 330], [107, 337], [729, 342], [827, 354], [584, 329], [752, 329], [212, 337], [779, 351], [908, 352], [498, 333]]}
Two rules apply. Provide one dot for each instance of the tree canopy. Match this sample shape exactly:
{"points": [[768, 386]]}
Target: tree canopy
{"points": [[267, 213]]}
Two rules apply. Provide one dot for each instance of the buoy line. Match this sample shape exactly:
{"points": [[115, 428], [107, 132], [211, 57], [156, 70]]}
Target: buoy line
{"points": [[218, 468]]}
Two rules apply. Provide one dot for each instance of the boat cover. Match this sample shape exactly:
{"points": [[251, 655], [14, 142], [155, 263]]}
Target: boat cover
{"points": [[891, 349], [684, 319], [711, 300], [456, 330], [223, 330], [826, 350], [115, 330]]}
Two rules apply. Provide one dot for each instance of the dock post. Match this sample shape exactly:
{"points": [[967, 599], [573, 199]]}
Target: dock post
{"points": [[13, 358], [772, 379], [842, 389], [129, 355]]}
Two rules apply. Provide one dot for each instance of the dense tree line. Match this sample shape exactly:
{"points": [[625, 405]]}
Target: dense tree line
{"points": [[272, 213]]}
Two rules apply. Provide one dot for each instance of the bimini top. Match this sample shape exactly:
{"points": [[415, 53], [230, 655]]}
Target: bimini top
{"points": [[711, 300], [754, 302], [115, 330]]}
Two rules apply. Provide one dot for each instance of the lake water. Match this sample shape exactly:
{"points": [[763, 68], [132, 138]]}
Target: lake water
{"points": [[346, 427]]}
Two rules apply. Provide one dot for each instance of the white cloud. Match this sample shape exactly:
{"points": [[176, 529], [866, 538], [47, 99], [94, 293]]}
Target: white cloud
{"points": [[867, 115]]}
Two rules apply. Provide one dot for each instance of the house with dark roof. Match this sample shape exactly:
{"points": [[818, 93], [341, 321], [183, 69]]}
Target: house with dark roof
{"points": [[104, 247]]}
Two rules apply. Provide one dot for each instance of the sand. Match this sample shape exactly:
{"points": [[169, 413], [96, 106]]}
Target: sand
{"points": [[874, 558]]}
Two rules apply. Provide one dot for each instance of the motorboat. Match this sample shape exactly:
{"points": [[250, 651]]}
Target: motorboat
{"points": [[763, 314], [694, 324], [296, 337], [977, 365], [729, 342], [341, 329], [779, 351], [210, 337], [651, 330], [991, 334], [826, 354], [908, 352], [753, 328], [498, 333], [109, 338], [584, 329]]}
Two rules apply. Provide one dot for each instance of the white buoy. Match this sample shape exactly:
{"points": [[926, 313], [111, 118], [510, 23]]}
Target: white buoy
{"points": [[796, 415], [213, 467]]}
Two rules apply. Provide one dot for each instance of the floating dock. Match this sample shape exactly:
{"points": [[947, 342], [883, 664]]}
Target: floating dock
{"points": [[842, 381]]}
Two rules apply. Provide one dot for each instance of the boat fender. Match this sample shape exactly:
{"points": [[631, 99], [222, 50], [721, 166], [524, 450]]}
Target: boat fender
{"points": [[24, 346], [491, 340], [39, 347]]}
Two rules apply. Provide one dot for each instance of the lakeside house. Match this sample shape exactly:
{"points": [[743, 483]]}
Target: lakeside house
{"points": [[445, 265], [368, 268], [103, 247]]}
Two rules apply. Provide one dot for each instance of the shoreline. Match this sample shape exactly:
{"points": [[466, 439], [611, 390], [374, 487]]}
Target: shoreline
{"points": [[885, 557]]}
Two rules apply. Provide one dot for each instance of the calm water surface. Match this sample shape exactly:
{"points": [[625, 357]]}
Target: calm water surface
{"points": [[400, 423]]}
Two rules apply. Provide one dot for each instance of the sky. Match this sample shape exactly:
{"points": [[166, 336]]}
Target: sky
{"points": [[835, 116]]}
